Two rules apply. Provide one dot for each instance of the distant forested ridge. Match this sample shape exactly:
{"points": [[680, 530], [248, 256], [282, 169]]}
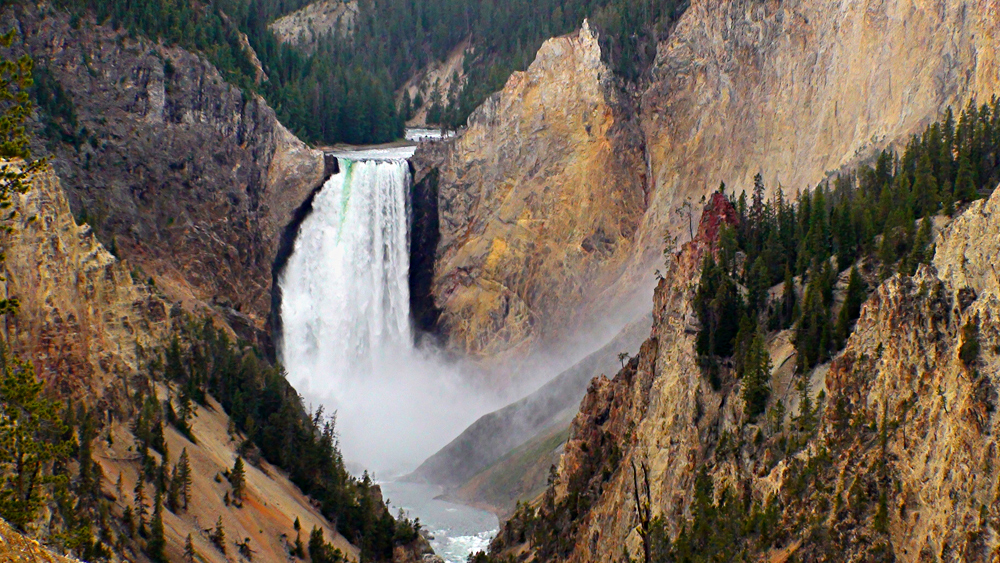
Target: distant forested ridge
{"points": [[344, 89]]}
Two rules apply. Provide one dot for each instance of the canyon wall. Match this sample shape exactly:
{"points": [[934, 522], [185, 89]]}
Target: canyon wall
{"points": [[83, 319], [555, 209], [176, 170], [539, 197], [895, 457], [91, 326]]}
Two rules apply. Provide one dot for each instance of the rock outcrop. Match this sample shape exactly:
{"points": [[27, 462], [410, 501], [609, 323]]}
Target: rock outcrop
{"points": [[896, 459], [181, 173], [16, 548], [83, 319], [528, 215], [305, 27], [555, 234]]}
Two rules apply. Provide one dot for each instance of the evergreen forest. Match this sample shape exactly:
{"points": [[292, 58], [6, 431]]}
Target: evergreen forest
{"points": [[879, 215], [776, 267], [344, 90]]}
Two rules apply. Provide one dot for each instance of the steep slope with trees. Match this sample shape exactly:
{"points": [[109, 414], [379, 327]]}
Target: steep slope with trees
{"points": [[117, 443], [674, 461]]}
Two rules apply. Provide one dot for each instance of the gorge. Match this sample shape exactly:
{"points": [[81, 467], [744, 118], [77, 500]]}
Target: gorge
{"points": [[684, 281]]}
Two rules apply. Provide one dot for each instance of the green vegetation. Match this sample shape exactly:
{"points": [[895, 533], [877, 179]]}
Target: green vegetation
{"points": [[237, 478], [344, 90], [879, 213], [16, 107], [320, 551], [969, 351], [38, 439], [45, 448], [269, 413], [33, 440], [729, 528], [756, 375]]}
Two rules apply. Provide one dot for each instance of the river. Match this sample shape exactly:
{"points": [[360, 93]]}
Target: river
{"points": [[458, 530]]}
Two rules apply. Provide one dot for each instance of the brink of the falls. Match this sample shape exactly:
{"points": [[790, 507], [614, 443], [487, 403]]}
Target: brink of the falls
{"points": [[347, 341]]}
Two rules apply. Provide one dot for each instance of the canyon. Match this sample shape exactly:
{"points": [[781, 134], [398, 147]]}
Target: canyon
{"points": [[538, 237], [902, 422], [192, 180], [559, 199]]}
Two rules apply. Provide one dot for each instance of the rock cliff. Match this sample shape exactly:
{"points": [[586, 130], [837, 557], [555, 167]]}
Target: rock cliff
{"points": [[16, 548], [305, 27], [181, 173], [789, 89], [83, 319], [528, 215], [90, 326], [892, 456]]}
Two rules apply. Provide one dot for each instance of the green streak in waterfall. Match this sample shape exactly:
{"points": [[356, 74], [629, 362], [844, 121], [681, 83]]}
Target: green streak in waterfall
{"points": [[345, 198]]}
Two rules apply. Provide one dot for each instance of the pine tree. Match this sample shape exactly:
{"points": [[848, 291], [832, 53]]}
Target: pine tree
{"points": [[813, 336], [920, 254], [237, 478], [190, 555], [140, 504], [185, 413], [965, 184], [184, 467], [757, 377], [318, 548], [218, 536], [174, 490], [851, 309], [788, 299], [157, 543], [925, 187], [174, 365], [806, 420], [32, 439]]}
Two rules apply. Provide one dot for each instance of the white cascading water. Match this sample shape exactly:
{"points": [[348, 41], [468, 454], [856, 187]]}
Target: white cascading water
{"points": [[346, 335], [345, 292]]}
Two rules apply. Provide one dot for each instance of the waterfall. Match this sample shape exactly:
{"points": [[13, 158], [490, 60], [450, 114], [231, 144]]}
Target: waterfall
{"points": [[347, 341], [345, 290]]}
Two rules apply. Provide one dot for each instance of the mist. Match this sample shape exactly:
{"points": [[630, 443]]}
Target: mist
{"points": [[395, 416]]}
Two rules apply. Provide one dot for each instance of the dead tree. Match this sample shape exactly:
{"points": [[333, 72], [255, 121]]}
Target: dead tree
{"points": [[643, 505]]}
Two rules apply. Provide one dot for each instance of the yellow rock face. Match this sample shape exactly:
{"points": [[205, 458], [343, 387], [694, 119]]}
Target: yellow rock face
{"points": [[16, 548], [897, 400], [553, 164], [83, 320], [539, 194]]}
